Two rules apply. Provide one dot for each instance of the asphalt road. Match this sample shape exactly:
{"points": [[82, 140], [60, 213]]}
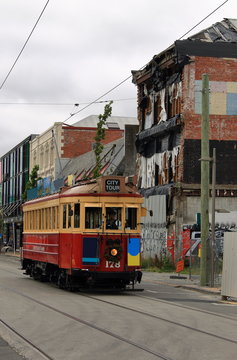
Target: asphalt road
{"points": [[165, 321]]}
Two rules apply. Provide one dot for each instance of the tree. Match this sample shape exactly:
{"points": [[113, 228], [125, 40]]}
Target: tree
{"points": [[32, 182], [100, 135]]}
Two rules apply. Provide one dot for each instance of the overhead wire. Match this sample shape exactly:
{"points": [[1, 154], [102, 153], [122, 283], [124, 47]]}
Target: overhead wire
{"points": [[100, 97], [123, 81], [61, 104], [203, 20], [28, 38]]}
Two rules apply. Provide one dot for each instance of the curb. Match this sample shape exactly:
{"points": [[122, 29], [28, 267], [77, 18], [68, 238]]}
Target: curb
{"points": [[200, 289]]}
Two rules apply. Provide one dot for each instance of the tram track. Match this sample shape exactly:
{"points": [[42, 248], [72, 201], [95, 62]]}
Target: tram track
{"points": [[152, 299], [161, 301], [122, 307], [118, 337], [171, 321], [27, 341], [81, 321], [189, 308]]}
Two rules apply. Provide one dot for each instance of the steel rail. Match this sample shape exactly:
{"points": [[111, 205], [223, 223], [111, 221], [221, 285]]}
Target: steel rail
{"points": [[46, 356], [86, 323], [165, 320]]}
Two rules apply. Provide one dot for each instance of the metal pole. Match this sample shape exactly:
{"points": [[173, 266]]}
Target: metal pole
{"points": [[14, 237], [190, 259], [212, 247], [205, 159]]}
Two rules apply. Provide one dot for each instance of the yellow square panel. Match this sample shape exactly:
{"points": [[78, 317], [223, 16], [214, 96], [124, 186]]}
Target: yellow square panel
{"points": [[218, 104], [231, 87]]}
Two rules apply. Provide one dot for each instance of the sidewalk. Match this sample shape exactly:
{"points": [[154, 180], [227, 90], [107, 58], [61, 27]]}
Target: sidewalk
{"points": [[7, 353], [174, 279]]}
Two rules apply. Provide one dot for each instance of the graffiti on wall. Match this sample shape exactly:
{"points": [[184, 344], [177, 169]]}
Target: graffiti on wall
{"points": [[154, 227], [154, 239]]}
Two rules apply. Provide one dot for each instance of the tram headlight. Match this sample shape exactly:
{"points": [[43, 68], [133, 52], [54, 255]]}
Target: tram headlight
{"points": [[114, 252]]}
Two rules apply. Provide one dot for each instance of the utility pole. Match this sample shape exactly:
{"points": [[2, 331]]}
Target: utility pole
{"points": [[213, 198], [205, 159]]}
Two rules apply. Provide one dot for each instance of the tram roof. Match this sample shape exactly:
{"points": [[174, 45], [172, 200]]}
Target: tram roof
{"points": [[96, 187], [119, 187]]}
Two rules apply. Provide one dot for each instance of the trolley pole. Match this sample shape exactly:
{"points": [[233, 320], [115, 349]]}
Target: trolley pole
{"points": [[205, 159]]}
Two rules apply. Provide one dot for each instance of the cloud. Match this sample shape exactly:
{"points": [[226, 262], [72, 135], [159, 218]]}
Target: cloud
{"points": [[80, 50]]}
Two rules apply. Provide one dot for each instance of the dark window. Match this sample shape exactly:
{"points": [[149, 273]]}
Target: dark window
{"points": [[156, 175], [171, 141], [113, 218], [170, 170], [77, 215], [93, 218], [70, 212], [64, 216], [158, 145], [131, 218]]}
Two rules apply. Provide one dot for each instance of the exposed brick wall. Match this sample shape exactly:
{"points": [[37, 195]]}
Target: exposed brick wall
{"points": [[77, 141], [218, 69], [222, 126]]}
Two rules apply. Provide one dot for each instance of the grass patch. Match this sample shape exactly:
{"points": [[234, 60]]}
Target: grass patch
{"points": [[157, 265]]}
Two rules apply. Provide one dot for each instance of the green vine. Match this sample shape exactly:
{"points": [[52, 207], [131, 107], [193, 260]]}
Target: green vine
{"points": [[100, 135]]}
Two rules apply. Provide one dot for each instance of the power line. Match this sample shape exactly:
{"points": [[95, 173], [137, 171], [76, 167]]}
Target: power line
{"points": [[100, 97], [62, 104], [123, 81], [203, 19], [9, 72]]}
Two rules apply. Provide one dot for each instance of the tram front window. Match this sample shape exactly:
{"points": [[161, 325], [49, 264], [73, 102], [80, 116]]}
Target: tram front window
{"points": [[113, 218], [131, 218], [93, 219]]}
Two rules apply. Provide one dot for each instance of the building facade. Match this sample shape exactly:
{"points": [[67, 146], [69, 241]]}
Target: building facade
{"points": [[169, 139], [14, 177], [54, 148]]}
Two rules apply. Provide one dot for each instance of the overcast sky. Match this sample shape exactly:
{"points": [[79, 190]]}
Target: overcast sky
{"points": [[80, 50]]}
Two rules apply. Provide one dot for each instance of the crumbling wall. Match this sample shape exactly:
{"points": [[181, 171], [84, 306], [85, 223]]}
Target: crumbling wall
{"points": [[159, 169]]}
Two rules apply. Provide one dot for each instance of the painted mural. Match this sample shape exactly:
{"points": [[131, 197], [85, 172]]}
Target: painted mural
{"points": [[223, 97]]}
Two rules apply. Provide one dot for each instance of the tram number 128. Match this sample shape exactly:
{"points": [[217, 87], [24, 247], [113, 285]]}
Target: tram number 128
{"points": [[112, 264]]}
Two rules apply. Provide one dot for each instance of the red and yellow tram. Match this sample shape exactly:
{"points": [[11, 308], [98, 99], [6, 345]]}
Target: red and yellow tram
{"points": [[87, 235]]}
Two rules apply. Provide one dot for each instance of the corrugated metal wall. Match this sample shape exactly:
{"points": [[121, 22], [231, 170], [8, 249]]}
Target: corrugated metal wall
{"points": [[154, 227], [229, 273]]}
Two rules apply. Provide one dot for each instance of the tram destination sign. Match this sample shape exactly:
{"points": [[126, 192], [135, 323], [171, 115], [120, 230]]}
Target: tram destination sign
{"points": [[112, 185]]}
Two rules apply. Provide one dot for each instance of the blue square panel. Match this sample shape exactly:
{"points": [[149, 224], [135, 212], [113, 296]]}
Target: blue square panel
{"points": [[231, 104]]}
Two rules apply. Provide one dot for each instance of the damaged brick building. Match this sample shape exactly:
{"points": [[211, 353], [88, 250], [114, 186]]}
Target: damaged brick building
{"points": [[169, 139]]}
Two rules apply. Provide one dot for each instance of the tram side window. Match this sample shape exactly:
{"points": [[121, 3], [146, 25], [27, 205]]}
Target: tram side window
{"points": [[70, 212], [113, 218], [65, 216], [77, 215], [93, 217], [46, 214], [131, 218]]}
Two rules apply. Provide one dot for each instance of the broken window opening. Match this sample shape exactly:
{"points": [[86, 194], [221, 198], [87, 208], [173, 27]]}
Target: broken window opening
{"points": [[170, 179], [171, 141], [156, 175]]}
